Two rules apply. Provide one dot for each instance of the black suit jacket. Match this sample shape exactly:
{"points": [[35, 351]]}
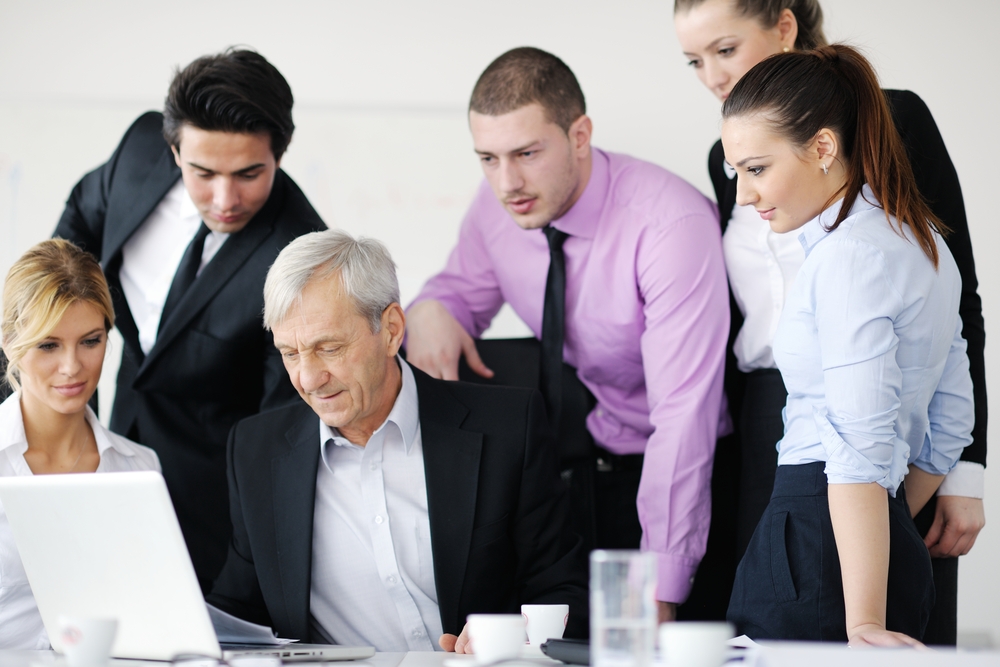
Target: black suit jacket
{"points": [[937, 181], [213, 363], [495, 502]]}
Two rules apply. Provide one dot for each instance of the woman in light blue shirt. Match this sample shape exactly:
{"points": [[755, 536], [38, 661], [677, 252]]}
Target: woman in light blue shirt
{"points": [[870, 348]]}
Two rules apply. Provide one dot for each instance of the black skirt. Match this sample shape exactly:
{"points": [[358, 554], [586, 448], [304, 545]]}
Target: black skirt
{"points": [[788, 585]]}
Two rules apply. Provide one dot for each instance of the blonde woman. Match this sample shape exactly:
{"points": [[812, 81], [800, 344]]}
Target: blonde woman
{"points": [[56, 316]]}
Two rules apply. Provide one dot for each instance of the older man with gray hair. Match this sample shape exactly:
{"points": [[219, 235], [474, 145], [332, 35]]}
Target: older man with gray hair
{"points": [[409, 502]]}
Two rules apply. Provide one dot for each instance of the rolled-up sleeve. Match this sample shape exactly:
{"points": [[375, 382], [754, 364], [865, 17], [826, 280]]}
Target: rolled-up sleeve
{"points": [[951, 412], [856, 306]]}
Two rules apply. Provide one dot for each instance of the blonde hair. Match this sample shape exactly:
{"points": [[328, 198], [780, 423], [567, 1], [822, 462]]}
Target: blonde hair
{"points": [[41, 286]]}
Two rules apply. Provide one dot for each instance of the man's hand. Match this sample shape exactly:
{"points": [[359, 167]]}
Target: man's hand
{"points": [[957, 522], [872, 634], [435, 340], [667, 611], [459, 644]]}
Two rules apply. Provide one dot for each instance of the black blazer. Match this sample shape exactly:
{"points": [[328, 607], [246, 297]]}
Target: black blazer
{"points": [[497, 510], [937, 181], [213, 363]]}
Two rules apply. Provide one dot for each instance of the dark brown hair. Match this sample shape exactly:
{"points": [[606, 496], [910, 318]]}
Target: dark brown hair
{"points": [[234, 91], [808, 16], [526, 75], [834, 87]]}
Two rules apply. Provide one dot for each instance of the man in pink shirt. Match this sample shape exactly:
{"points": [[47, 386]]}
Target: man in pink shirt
{"points": [[636, 252]]}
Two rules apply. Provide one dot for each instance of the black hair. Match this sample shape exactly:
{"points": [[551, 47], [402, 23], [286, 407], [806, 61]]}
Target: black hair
{"points": [[237, 90]]}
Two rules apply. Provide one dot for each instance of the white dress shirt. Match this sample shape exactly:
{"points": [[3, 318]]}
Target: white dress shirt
{"points": [[762, 266], [372, 564], [870, 348], [152, 254], [20, 623]]}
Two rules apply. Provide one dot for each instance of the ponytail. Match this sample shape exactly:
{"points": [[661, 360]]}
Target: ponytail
{"points": [[835, 87]]}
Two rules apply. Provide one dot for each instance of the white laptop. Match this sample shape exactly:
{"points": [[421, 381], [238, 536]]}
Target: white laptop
{"points": [[109, 546]]}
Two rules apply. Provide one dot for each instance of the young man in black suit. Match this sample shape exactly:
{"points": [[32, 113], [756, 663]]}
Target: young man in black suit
{"points": [[186, 217], [388, 505]]}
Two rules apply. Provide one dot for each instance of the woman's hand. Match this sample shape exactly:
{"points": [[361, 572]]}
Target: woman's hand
{"points": [[957, 523], [871, 634]]}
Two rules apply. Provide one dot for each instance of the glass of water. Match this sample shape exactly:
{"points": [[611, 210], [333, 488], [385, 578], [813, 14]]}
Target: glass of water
{"points": [[623, 614]]}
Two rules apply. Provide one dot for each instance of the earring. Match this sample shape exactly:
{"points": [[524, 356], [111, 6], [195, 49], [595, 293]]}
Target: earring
{"points": [[825, 170], [785, 50]]}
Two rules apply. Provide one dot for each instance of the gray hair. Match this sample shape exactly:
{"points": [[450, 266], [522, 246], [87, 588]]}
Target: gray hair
{"points": [[367, 274]]}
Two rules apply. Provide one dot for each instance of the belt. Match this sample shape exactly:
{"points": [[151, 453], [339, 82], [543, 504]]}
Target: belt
{"points": [[605, 461]]}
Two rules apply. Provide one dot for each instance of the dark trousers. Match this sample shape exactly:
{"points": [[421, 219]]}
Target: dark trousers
{"points": [[602, 491], [760, 428], [942, 628], [788, 585]]}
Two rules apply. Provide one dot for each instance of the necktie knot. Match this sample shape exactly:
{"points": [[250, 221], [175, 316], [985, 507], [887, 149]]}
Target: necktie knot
{"points": [[555, 237]]}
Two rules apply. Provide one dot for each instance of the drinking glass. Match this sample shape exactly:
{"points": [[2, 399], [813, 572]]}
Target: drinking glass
{"points": [[623, 614]]}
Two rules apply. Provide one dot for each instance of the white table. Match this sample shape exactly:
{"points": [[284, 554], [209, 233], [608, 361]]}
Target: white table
{"points": [[771, 654]]}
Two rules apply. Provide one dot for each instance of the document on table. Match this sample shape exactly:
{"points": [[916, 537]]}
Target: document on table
{"points": [[232, 630]]}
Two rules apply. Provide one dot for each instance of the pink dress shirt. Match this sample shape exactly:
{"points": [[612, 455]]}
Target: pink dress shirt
{"points": [[647, 322]]}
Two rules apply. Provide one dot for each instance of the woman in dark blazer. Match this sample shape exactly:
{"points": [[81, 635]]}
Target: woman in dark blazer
{"points": [[723, 39]]}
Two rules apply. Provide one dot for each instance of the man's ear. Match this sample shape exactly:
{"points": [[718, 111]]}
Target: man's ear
{"points": [[177, 154], [393, 327], [579, 134]]}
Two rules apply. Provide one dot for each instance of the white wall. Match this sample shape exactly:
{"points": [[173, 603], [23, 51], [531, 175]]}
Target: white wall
{"points": [[382, 146]]}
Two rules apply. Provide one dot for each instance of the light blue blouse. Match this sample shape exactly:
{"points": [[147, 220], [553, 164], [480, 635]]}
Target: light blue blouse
{"points": [[871, 351]]}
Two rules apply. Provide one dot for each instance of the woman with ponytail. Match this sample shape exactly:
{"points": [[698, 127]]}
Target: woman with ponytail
{"points": [[870, 348], [722, 40]]}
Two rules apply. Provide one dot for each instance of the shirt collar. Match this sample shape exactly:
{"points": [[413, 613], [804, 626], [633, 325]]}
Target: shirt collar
{"points": [[582, 218], [12, 429], [12, 424], [405, 414], [816, 229]]}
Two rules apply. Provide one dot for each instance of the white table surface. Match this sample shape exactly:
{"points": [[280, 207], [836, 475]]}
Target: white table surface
{"points": [[771, 654]]}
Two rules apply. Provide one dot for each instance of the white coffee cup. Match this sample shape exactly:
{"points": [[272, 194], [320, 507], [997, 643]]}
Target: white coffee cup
{"points": [[496, 636], [86, 642], [694, 644], [543, 622]]}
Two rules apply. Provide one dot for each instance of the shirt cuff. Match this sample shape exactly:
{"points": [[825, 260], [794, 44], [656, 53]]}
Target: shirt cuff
{"points": [[967, 479], [675, 576]]}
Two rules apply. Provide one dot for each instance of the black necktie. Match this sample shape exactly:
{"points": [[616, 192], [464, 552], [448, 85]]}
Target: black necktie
{"points": [[553, 326], [187, 271]]}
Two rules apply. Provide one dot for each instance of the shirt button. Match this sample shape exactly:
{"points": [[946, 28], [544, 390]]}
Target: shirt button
{"points": [[379, 519], [391, 579], [418, 633], [374, 466]]}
